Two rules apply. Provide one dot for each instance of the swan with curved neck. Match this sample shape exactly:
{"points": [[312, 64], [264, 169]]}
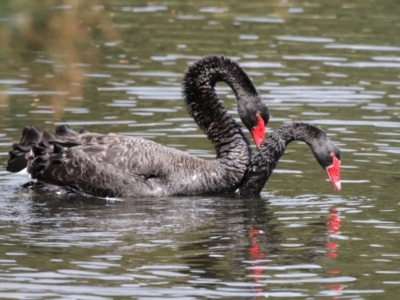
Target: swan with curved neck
{"points": [[264, 161], [114, 165]]}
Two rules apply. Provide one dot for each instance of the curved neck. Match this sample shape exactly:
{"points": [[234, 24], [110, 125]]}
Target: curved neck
{"points": [[206, 109], [264, 161]]}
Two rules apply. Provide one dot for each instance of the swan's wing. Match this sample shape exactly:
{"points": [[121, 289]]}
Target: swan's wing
{"points": [[112, 166], [118, 166]]}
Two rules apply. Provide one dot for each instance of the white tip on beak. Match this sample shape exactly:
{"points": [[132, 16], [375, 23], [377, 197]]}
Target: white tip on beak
{"points": [[338, 186]]}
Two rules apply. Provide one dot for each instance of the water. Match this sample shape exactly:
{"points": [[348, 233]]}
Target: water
{"points": [[117, 66]]}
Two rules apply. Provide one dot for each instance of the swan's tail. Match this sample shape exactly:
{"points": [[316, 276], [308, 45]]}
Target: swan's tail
{"points": [[45, 157], [35, 146], [19, 154]]}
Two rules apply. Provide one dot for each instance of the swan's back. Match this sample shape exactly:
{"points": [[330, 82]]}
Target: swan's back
{"points": [[116, 165]]}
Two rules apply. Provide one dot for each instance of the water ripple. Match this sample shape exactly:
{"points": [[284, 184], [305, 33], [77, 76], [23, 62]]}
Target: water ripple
{"points": [[259, 20], [149, 9], [364, 64], [313, 58], [363, 47], [306, 39]]}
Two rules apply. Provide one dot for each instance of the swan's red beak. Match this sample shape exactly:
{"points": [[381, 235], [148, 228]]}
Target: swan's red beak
{"points": [[258, 131], [333, 172]]}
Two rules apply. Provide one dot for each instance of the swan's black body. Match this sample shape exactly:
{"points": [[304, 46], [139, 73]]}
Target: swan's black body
{"points": [[264, 161], [114, 165]]}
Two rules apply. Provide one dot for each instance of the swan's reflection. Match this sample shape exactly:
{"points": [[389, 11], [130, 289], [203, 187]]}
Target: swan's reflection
{"points": [[208, 241]]}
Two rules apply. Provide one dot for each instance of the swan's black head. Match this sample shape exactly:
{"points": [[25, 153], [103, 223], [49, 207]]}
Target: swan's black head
{"points": [[328, 156], [255, 116]]}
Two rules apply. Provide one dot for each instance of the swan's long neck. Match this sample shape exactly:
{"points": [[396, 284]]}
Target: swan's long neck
{"points": [[264, 161], [206, 109]]}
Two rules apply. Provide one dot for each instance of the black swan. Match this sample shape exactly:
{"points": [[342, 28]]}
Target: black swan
{"points": [[264, 161], [114, 165]]}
